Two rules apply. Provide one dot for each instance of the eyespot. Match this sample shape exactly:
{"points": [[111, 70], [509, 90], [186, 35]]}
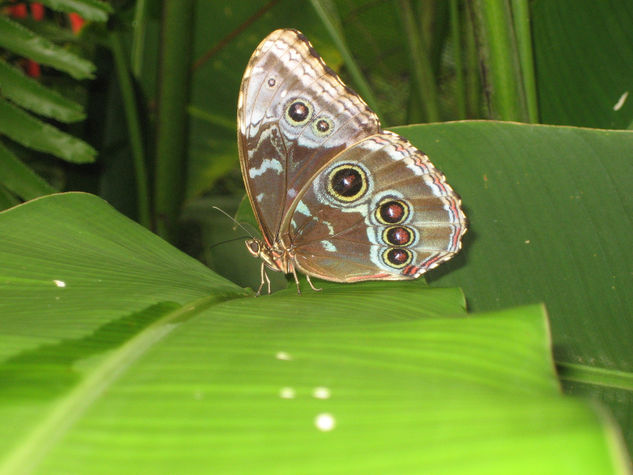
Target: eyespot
{"points": [[347, 182], [271, 82], [323, 126], [396, 257], [298, 112], [398, 235], [391, 211]]}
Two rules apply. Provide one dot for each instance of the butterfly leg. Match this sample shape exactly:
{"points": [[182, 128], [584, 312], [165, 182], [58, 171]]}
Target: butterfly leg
{"points": [[264, 279], [294, 273], [312, 285]]}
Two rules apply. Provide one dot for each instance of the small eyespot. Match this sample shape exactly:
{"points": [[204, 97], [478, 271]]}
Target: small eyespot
{"points": [[322, 127], [396, 257], [392, 211], [398, 235], [271, 82], [298, 112], [347, 182]]}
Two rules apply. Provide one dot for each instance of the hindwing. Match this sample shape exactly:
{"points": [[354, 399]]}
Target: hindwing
{"points": [[378, 210]]}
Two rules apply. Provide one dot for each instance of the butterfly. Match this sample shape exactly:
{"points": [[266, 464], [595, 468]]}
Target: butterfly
{"points": [[335, 196]]}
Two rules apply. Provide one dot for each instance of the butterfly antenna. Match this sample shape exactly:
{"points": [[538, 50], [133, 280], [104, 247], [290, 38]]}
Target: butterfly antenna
{"points": [[225, 241], [235, 221]]}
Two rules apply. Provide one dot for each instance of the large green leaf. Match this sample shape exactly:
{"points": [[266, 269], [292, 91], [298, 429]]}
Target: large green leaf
{"points": [[551, 217], [118, 353]]}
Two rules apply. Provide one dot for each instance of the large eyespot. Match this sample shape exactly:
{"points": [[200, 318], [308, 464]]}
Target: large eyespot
{"points": [[398, 235], [391, 211], [323, 126], [396, 257], [347, 182], [298, 112]]}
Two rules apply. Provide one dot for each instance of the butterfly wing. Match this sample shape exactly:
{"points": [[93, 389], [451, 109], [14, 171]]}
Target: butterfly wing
{"points": [[378, 210], [294, 116]]}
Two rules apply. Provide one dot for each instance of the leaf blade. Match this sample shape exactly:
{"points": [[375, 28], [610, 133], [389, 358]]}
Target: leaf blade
{"points": [[24, 42], [30, 94], [33, 133]]}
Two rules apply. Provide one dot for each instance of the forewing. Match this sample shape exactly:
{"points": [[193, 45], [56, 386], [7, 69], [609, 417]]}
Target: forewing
{"points": [[294, 115]]}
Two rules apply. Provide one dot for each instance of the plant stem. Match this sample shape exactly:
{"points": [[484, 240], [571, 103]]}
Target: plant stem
{"points": [[138, 38], [503, 71], [473, 90], [521, 18], [134, 129], [172, 123], [422, 69], [460, 86]]}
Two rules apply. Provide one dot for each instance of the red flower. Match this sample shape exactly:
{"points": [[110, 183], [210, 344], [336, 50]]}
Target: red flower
{"points": [[37, 11], [76, 22]]}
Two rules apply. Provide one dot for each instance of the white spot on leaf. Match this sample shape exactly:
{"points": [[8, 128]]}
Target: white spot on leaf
{"points": [[59, 283], [321, 392], [287, 393], [618, 105], [325, 422], [282, 355]]}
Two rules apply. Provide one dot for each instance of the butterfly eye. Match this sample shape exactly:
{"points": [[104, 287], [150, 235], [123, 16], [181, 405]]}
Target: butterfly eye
{"points": [[392, 211], [298, 113], [253, 247], [398, 235], [397, 258], [322, 127], [347, 182], [271, 82]]}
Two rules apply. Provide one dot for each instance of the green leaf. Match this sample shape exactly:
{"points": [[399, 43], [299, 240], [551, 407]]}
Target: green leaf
{"points": [[105, 265], [20, 179], [23, 42], [550, 214], [119, 351], [31, 95], [94, 10], [33, 133], [584, 62]]}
